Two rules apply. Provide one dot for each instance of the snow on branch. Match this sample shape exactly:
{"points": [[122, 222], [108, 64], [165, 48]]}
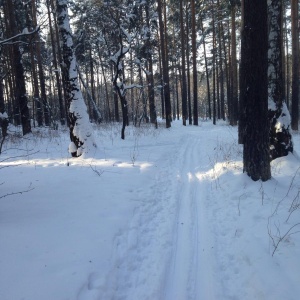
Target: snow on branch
{"points": [[23, 33]]}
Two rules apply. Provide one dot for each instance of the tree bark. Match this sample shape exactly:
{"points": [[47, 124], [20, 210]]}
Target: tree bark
{"points": [[234, 85], [183, 73], [254, 49], [80, 129], [19, 77], [295, 64], [194, 53], [279, 116], [165, 68]]}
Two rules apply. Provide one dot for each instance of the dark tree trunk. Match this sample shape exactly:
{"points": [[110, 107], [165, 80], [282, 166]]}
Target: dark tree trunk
{"points": [[242, 85], [194, 53], [188, 67], [119, 85], [214, 66], [19, 77], [40, 69], [62, 111], [254, 49], [221, 76], [36, 94], [161, 83], [183, 74], [234, 101], [150, 77], [165, 68], [295, 64]]}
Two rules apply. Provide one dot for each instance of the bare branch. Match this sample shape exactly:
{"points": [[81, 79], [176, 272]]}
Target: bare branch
{"points": [[15, 193]]}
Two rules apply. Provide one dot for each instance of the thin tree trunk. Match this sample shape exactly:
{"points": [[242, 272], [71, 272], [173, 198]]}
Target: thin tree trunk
{"points": [[183, 74], [234, 85], [165, 67], [206, 71], [221, 76], [62, 113], [20, 85], [195, 77], [295, 64]]}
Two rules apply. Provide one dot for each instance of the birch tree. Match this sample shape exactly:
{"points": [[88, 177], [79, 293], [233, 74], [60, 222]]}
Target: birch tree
{"points": [[279, 116], [81, 136]]}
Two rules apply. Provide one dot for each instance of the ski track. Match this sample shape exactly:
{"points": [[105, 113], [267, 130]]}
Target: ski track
{"points": [[190, 275], [164, 254]]}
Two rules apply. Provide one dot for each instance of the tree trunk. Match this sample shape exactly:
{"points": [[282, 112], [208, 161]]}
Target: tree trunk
{"points": [[221, 76], [206, 71], [80, 128], [183, 74], [279, 116], [150, 77], [254, 57], [214, 66], [19, 77], [234, 85], [165, 68], [56, 71], [194, 53], [295, 64]]}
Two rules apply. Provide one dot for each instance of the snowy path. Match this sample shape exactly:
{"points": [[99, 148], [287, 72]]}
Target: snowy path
{"points": [[165, 249], [164, 215]]}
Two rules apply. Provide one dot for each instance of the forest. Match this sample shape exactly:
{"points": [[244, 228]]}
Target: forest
{"points": [[149, 150], [136, 61]]}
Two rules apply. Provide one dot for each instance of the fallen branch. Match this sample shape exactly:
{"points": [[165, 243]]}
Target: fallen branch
{"points": [[15, 193]]}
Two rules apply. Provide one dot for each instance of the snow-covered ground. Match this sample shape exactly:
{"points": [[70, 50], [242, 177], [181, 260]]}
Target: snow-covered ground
{"points": [[166, 214]]}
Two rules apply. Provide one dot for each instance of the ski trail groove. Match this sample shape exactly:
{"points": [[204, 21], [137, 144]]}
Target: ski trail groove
{"points": [[190, 264], [164, 252]]}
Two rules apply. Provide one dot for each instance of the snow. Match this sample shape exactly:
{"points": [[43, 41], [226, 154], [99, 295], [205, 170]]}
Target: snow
{"points": [[3, 115], [165, 214], [284, 120]]}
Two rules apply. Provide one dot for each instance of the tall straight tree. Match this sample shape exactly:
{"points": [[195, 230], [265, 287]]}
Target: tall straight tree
{"points": [[279, 116], [254, 48], [55, 65], [233, 117], [80, 129], [295, 64], [150, 76], [194, 53], [206, 69], [12, 11], [183, 76], [165, 68]]}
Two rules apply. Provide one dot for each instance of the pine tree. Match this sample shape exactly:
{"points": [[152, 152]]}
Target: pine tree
{"points": [[254, 57]]}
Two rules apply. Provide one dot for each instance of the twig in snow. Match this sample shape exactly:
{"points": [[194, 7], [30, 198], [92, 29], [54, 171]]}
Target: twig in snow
{"points": [[280, 237], [99, 173], [15, 193]]}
